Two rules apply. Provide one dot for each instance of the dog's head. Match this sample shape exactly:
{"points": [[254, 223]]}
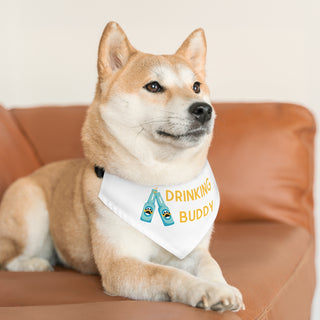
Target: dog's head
{"points": [[153, 104]]}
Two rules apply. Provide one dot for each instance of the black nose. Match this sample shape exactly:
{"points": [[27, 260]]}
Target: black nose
{"points": [[201, 111]]}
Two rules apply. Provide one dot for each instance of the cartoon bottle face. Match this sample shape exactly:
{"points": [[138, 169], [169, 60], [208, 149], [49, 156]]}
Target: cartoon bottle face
{"points": [[148, 208], [164, 211]]}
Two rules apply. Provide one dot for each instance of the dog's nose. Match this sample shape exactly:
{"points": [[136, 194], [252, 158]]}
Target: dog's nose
{"points": [[201, 111]]}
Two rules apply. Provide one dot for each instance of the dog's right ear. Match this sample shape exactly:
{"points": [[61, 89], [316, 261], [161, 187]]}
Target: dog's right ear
{"points": [[114, 50]]}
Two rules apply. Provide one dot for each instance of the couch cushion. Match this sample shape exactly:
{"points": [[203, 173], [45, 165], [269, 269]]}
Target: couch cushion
{"points": [[17, 158], [262, 156], [271, 263], [54, 131]]}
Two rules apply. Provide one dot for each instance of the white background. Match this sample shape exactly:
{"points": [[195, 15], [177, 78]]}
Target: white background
{"points": [[257, 50]]}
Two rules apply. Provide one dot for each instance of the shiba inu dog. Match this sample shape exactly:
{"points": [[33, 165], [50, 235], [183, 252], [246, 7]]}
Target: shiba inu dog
{"points": [[151, 122]]}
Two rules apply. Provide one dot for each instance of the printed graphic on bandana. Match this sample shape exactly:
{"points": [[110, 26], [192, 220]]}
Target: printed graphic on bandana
{"points": [[164, 211], [148, 208]]}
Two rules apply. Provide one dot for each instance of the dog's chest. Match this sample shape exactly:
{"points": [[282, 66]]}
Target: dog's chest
{"points": [[124, 239]]}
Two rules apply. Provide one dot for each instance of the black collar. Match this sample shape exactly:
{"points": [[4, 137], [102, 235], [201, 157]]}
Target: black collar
{"points": [[99, 171]]}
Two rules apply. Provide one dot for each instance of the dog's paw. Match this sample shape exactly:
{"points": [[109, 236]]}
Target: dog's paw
{"points": [[216, 296], [32, 264]]}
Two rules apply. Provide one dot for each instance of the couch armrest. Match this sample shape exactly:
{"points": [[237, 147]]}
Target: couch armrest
{"points": [[262, 157]]}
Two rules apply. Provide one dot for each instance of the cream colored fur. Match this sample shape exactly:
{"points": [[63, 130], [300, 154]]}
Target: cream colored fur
{"points": [[56, 210]]}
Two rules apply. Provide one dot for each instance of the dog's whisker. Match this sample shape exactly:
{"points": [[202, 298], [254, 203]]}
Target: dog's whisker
{"points": [[137, 135], [179, 118], [154, 121], [143, 123]]}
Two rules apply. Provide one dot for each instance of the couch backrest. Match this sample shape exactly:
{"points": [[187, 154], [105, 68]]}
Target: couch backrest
{"points": [[53, 131], [17, 156], [261, 154]]}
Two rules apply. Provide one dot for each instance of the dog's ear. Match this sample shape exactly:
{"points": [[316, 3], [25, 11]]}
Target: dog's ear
{"points": [[194, 50], [114, 50]]}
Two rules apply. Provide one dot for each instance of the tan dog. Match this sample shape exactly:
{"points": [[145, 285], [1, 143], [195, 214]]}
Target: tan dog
{"points": [[150, 122]]}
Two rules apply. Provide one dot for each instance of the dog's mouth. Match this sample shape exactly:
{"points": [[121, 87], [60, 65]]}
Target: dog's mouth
{"points": [[193, 133]]}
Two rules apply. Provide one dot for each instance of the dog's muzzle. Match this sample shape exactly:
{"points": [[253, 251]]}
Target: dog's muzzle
{"points": [[201, 111]]}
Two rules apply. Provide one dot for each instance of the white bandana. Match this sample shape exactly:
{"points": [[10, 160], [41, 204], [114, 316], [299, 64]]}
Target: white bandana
{"points": [[176, 217]]}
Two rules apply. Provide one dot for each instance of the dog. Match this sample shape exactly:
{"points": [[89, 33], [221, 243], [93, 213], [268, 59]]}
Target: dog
{"points": [[151, 123]]}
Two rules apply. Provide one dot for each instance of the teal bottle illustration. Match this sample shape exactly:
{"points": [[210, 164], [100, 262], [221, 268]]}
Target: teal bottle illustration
{"points": [[148, 208], [164, 211]]}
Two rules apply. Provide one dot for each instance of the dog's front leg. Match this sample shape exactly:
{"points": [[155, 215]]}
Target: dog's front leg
{"points": [[201, 264], [208, 269], [141, 280]]}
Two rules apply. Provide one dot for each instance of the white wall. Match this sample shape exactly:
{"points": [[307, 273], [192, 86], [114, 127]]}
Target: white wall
{"points": [[257, 50]]}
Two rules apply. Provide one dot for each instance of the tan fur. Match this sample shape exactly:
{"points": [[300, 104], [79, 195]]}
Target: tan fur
{"points": [[120, 136]]}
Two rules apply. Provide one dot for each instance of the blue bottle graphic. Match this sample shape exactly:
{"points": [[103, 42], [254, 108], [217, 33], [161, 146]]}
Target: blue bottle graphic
{"points": [[164, 211], [148, 208]]}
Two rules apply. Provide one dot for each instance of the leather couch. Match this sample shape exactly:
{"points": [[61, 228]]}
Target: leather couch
{"points": [[262, 157]]}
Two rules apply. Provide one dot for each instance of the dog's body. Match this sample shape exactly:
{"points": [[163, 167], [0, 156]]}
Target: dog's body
{"points": [[143, 132]]}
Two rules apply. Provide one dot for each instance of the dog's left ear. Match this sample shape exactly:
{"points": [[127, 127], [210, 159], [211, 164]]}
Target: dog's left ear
{"points": [[114, 50], [194, 50]]}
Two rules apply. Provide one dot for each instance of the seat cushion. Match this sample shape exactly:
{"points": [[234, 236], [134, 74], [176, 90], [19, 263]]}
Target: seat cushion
{"points": [[271, 263]]}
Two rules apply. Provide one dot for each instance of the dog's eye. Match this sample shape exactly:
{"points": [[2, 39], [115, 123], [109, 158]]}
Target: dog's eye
{"points": [[196, 87], [153, 87]]}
